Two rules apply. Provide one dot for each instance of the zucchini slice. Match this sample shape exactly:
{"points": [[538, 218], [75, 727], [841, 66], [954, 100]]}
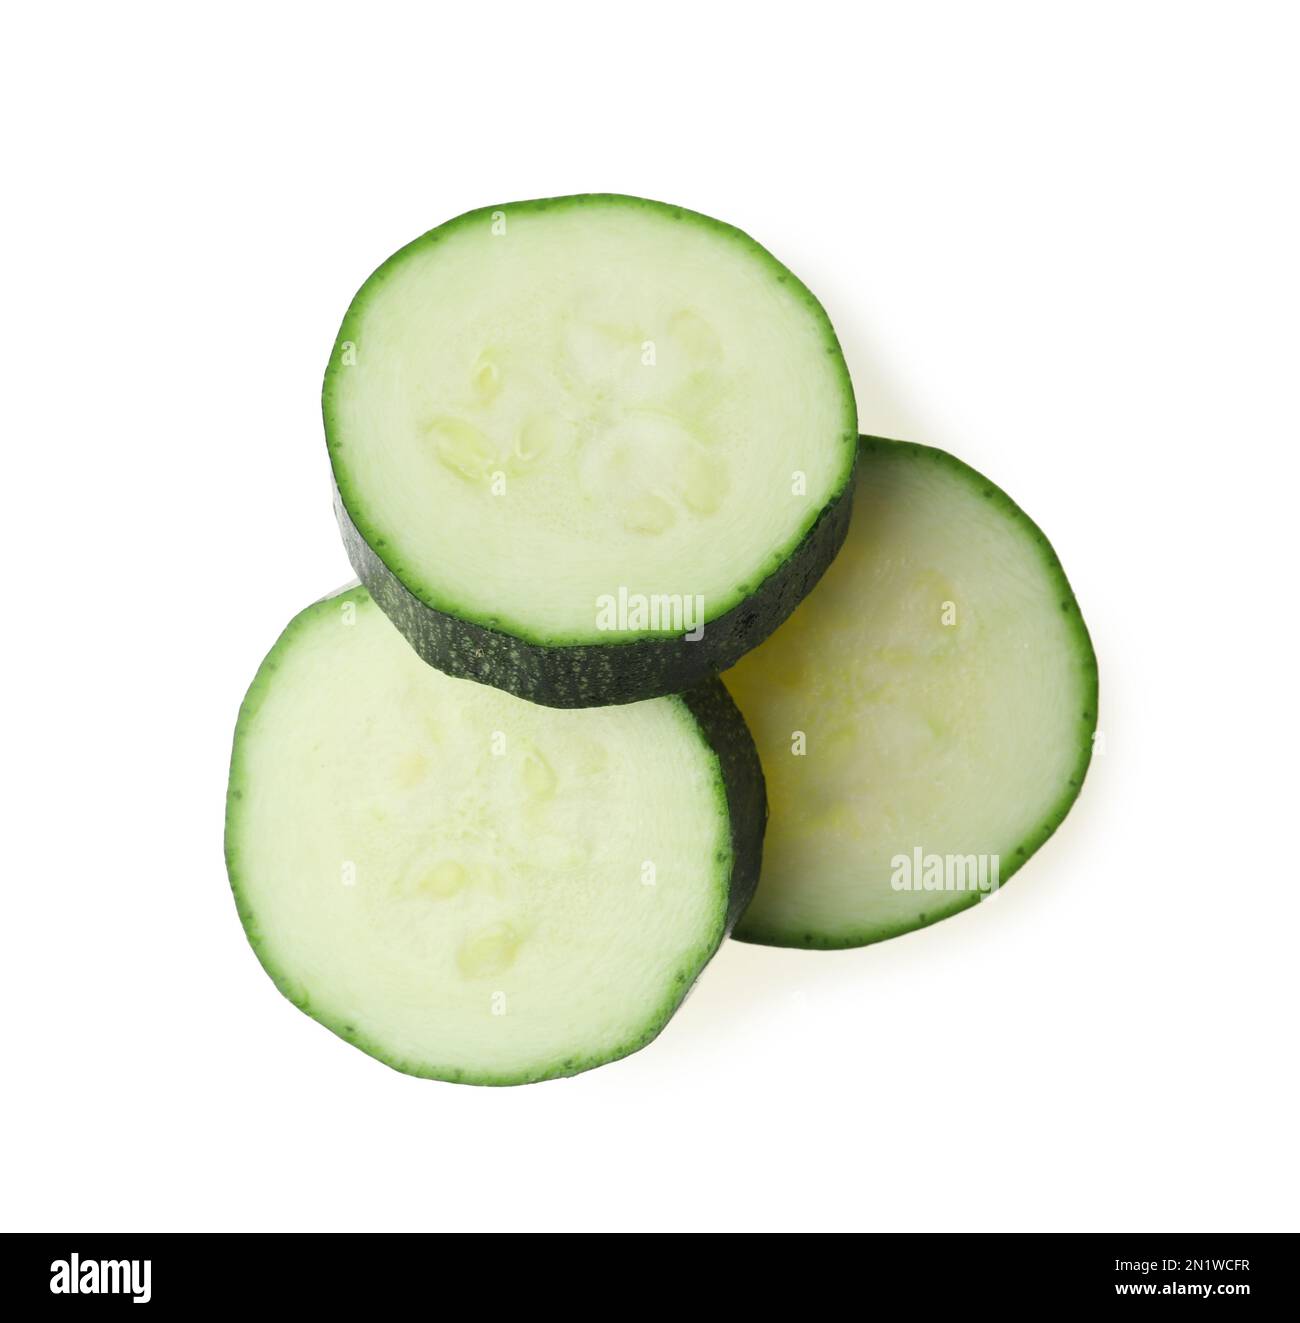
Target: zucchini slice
{"points": [[925, 718], [567, 435], [468, 886]]}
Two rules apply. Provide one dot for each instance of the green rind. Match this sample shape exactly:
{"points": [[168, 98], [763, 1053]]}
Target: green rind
{"points": [[590, 671], [740, 794], [726, 733], [1087, 722], [599, 674]]}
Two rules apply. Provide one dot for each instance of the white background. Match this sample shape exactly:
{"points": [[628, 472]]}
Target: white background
{"points": [[1059, 240]]}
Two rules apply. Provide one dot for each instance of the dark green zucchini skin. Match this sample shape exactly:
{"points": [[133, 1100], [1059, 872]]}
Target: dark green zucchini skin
{"points": [[599, 674], [724, 728]]}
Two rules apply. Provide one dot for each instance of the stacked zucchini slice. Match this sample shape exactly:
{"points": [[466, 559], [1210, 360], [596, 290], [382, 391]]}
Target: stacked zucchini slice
{"points": [[491, 811]]}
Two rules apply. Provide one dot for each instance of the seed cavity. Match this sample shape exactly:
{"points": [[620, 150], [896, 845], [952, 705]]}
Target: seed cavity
{"points": [[444, 879], [703, 482], [540, 436], [489, 951], [430, 874], [648, 513], [463, 449], [411, 770], [486, 377]]}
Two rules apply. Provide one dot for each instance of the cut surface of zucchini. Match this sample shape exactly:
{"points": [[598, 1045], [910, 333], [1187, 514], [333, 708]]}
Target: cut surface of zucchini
{"points": [[568, 433], [468, 886], [925, 718]]}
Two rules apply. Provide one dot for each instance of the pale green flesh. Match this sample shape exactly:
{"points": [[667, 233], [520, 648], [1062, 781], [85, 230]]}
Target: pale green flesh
{"points": [[545, 406], [467, 885], [944, 689]]}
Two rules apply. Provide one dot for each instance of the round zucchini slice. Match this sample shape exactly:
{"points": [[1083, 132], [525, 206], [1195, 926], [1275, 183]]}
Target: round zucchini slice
{"points": [[925, 718], [468, 886], [588, 449]]}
